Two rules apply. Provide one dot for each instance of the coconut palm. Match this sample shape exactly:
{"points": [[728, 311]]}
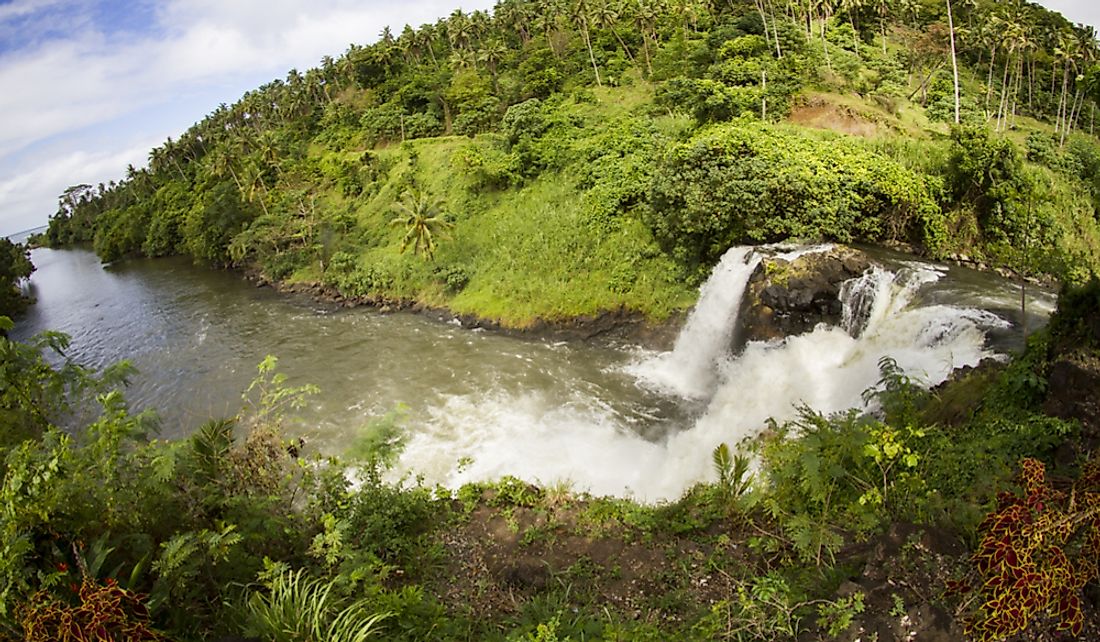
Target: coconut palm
{"points": [[581, 17], [419, 214], [606, 15]]}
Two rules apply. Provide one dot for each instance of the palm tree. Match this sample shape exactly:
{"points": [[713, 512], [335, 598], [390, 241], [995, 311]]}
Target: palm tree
{"points": [[645, 18], [418, 213], [583, 21], [606, 15], [852, 7], [954, 60], [459, 30], [493, 52]]}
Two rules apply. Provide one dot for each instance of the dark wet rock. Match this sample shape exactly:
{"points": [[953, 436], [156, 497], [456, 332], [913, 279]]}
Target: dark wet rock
{"points": [[785, 298], [1073, 392], [903, 572], [525, 574]]}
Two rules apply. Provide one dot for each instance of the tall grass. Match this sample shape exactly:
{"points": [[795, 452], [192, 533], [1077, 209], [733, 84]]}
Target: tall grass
{"points": [[296, 608]]}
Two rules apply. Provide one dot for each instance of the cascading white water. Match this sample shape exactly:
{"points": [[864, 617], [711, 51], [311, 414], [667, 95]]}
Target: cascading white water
{"points": [[690, 369], [589, 444]]}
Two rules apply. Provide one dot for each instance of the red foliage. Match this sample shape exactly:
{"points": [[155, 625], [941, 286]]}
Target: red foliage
{"points": [[105, 613], [1038, 551]]}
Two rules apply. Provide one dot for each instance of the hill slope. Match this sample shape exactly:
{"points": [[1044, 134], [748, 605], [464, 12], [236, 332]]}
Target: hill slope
{"points": [[567, 160]]}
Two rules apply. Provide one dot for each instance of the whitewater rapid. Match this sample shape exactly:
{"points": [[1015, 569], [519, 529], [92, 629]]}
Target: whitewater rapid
{"points": [[589, 445]]}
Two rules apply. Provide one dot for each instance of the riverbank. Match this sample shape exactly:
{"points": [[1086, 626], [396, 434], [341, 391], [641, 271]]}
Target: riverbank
{"points": [[817, 542], [619, 325]]}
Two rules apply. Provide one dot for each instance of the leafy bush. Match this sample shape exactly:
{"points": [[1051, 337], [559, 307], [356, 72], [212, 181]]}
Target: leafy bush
{"points": [[106, 611], [454, 278], [15, 265], [748, 182], [824, 476]]}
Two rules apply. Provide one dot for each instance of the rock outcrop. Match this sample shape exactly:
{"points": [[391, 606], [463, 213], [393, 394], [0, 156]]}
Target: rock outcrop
{"points": [[785, 298], [1073, 390]]}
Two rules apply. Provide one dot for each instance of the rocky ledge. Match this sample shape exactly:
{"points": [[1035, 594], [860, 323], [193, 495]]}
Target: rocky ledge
{"points": [[785, 298]]}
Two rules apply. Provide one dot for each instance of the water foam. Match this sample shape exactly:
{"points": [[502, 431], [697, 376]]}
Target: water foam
{"points": [[587, 443]]}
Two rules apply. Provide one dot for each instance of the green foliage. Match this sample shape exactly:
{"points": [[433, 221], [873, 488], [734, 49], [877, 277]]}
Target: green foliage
{"points": [[211, 224], [268, 398], [381, 440], [1025, 218], [15, 266], [293, 607], [419, 214], [1075, 325], [734, 478], [836, 617], [762, 608], [747, 182]]}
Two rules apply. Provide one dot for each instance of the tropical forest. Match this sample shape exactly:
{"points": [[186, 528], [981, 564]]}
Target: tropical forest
{"points": [[579, 320]]}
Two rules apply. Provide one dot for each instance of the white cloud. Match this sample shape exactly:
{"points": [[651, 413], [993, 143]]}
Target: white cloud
{"points": [[69, 86], [33, 192], [1076, 11], [20, 8]]}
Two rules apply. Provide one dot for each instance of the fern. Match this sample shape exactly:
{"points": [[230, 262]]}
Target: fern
{"points": [[733, 471], [723, 464]]}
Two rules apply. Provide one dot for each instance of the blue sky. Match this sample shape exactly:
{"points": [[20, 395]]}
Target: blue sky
{"points": [[90, 86]]}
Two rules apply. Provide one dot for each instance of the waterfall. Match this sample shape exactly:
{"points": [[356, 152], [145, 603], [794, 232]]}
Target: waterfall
{"points": [[690, 369], [587, 443]]}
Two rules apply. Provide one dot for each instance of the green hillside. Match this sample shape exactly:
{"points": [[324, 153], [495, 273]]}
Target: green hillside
{"points": [[569, 159]]}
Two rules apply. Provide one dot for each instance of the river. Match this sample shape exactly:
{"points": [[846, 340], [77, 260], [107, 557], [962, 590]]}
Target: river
{"points": [[607, 417]]}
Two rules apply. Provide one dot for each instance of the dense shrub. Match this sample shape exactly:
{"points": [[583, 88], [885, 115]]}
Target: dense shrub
{"points": [[748, 182]]}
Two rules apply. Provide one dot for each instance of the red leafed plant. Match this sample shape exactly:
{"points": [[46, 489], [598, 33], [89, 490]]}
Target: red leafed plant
{"points": [[1038, 551], [105, 613]]}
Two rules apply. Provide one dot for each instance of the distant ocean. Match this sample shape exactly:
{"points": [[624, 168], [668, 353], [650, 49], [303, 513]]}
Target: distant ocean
{"points": [[19, 237]]}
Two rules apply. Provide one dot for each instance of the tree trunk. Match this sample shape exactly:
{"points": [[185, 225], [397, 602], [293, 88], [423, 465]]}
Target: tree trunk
{"points": [[1062, 103], [989, 80], [855, 35], [775, 35], [763, 18], [924, 82], [591, 55], [623, 44], [1002, 114], [763, 95], [954, 61], [1017, 87]]}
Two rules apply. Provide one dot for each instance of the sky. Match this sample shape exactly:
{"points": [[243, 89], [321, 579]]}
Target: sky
{"points": [[89, 86]]}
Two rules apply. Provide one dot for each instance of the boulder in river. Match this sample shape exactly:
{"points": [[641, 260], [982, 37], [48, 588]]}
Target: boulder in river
{"points": [[785, 298]]}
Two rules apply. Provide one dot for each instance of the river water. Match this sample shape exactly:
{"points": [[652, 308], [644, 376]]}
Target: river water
{"points": [[609, 418]]}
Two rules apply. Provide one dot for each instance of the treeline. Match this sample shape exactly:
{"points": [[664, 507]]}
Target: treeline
{"points": [[15, 268], [302, 170]]}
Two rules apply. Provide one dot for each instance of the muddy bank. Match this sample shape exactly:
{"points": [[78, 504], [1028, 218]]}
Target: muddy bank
{"points": [[620, 324]]}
